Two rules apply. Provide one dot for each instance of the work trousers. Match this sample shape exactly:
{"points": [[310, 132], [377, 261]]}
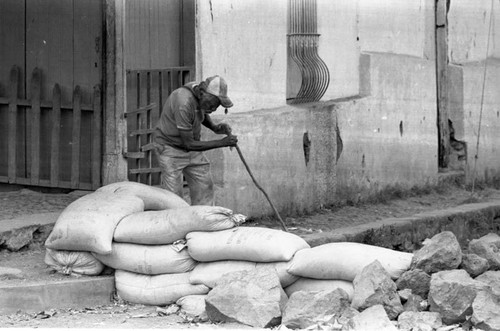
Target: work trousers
{"points": [[194, 166]]}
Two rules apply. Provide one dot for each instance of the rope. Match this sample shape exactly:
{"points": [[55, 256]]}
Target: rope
{"points": [[482, 100]]}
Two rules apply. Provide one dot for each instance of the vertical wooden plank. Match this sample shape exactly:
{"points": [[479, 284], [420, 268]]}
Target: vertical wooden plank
{"points": [[12, 137], [75, 142], [11, 53], [188, 34], [142, 119], [441, 80], [96, 138], [12, 36], [35, 126], [55, 136], [87, 46]]}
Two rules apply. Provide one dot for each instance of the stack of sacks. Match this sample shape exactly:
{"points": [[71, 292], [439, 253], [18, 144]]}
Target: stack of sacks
{"points": [[242, 248], [335, 265], [87, 224], [149, 253]]}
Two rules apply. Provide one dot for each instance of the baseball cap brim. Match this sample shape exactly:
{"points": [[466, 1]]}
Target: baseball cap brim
{"points": [[225, 102]]}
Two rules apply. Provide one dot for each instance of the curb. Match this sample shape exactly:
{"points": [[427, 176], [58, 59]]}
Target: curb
{"points": [[78, 293], [467, 222]]}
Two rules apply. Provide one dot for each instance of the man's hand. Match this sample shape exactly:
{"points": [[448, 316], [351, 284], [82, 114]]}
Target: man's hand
{"points": [[223, 128], [230, 141]]}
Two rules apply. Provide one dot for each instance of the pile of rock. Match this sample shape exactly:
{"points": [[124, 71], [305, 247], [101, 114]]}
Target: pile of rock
{"points": [[444, 289]]}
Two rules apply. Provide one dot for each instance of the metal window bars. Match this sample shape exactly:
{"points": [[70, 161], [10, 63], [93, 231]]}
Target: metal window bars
{"points": [[303, 41]]}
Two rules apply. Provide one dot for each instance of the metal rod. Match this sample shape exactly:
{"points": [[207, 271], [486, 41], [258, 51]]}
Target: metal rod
{"points": [[283, 226]]}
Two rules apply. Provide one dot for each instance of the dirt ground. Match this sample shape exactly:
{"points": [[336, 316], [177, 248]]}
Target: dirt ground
{"points": [[120, 315]]}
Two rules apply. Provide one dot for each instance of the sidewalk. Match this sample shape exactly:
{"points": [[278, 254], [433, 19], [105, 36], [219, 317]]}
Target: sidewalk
{"points": [[52, 291]]}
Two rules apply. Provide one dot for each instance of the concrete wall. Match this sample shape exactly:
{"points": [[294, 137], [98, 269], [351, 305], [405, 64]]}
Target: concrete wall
{"points": [[271, 142], [390, 136], [339, 46], [397, 27], [474, 81], [245, 42], [468, 25], [380, 54], [478, 117]]}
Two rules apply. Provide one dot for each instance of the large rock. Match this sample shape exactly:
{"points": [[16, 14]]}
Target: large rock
{"points": [[474, 264], [425, 320], [452, 293], [373, 318], [486, 307], [492, 279], [487, 247], [251, 297], [374, 286], [418, 281], [305, 309], [415, 303], [441, 252]]}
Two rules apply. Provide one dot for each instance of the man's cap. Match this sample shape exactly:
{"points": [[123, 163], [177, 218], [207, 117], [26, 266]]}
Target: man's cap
{"points": [[217, 86]]}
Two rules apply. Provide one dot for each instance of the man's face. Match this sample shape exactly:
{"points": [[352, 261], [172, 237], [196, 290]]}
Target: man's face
{"points": [[209, 103]]}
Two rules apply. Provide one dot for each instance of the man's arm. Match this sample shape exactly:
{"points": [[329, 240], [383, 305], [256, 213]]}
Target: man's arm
{"points": [[193, 145], [221, 128]]}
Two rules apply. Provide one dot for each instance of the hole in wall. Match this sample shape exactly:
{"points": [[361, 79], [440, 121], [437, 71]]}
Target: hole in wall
{"points": [[401, 128], [306, 145]]}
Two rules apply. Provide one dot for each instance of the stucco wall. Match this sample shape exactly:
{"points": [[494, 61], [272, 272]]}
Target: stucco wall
{"points": [[245, 42], [339, 46], [380, 54], [479, 116], [390, 136], [468, 25], [272, 145], [397, 27]]}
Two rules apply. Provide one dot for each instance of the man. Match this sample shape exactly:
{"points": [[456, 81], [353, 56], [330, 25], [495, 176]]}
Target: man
{"points": [[177, 137]]}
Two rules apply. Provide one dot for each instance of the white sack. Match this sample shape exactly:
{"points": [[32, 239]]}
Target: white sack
{"points": [[88, 223], [158, 290], [154, 198], [168, 226], [193, 306], [148, 260], [72, 262], [253, 244], [313, 285], [344, 260]]}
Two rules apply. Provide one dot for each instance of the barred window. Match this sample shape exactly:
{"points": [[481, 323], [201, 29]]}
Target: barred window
{"points": [[307, 75]]}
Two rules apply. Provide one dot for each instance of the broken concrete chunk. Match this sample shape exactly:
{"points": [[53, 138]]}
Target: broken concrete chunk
{"points": [[486, 308], [373, 318], [417, 280], [415, 303], [425, 320], [10, 273], [452, 293], [253, 297], [474, 264], [487, 247], [306, 309], [492, 279], [441, 252], [374, 286]]}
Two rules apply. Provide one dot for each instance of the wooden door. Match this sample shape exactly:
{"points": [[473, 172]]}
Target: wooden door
{"points": [[50, 92]]}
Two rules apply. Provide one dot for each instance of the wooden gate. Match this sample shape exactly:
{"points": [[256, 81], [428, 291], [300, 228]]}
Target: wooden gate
{"points": [[147, 90], [45, 136], [51, 56]]}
